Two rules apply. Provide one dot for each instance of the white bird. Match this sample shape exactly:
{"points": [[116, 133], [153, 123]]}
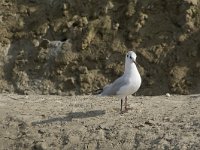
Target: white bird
{"points": [[127, 84]]}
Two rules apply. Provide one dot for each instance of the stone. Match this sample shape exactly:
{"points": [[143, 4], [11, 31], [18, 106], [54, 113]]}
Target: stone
{"points": [[84, 20], [193, 2], [116, 26], [168, 95], [40, 146], [35, 42]]}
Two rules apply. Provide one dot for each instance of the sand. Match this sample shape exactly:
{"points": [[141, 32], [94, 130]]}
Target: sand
{"points": [[41, 122]]}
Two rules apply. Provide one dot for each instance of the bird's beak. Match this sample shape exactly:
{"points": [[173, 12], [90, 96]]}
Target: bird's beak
{"points": [[135, 62]]}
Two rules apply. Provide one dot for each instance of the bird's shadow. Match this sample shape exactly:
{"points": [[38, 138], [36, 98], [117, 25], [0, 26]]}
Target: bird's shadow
{"points": [[70, 116]]}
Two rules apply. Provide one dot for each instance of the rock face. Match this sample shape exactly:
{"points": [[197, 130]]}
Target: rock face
{"points": [[74, 47]]}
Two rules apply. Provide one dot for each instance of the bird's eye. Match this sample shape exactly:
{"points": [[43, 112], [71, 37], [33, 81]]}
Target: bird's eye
{"points": [[130, 57], [127, 55]]}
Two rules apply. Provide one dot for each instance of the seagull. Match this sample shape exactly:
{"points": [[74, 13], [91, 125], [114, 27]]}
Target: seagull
{"points": [[127, 84]]}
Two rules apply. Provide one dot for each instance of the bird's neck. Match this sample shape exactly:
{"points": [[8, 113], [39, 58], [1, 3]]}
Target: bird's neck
{"points": [[130, 69]]}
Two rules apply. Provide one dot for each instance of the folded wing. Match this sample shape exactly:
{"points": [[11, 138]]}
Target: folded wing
{"points": [[113, 88]]}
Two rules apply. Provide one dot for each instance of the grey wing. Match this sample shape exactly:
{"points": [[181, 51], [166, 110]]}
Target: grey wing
{"points": [[113, 88]]}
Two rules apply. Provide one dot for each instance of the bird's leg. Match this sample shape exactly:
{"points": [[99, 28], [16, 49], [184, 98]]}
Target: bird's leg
{"points": [[121, 105], [126, 104]]}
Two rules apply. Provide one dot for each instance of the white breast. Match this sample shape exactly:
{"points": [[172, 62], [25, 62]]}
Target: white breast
{"points": [[132, 86]]}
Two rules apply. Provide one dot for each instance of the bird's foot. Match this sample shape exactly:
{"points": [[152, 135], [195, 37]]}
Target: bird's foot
{"points": [[123, 111], [126, 109]]}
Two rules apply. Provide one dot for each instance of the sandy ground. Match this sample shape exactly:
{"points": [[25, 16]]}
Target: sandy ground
{"points": [[88, 122]]}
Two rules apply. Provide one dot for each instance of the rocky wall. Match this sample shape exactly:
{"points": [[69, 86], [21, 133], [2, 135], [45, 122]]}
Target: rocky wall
{"points": [[77, 46]]}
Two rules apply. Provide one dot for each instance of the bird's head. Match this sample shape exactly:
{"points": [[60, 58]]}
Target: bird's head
{"points": [[131, 57]]}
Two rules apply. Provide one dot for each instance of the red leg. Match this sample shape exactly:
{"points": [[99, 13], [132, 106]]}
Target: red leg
{"points": [[121, 105], [126, 104]]}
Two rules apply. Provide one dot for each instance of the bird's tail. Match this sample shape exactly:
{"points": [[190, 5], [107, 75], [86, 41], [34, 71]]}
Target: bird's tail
{"points": [[95, 92]]}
